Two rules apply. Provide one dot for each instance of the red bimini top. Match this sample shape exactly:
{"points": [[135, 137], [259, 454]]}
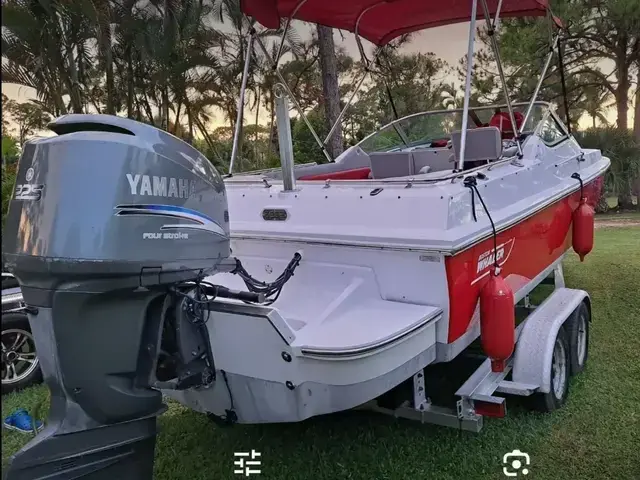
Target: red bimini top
{"points": [[380, 21]]}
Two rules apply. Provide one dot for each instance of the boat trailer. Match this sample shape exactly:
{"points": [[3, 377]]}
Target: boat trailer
{"points": [[533, 369]]}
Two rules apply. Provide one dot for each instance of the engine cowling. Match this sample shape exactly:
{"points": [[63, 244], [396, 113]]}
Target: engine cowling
{"points": [[107, 219]]}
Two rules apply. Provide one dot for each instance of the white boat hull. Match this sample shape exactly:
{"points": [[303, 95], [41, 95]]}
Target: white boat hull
{"points": [[388, 283]]}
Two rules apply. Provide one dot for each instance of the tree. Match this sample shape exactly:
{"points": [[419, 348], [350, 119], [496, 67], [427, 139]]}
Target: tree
{"points": [[10, 150], [30, 55], [595, 104], [415, 82], [601, 50], [8, 185], [305, 148], [29, 118], [6, 105], [606, 29], [636, 114], [624, 152], [330, 87]]}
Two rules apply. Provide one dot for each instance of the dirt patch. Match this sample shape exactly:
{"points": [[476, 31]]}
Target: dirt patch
{"points": [[617, 222]]}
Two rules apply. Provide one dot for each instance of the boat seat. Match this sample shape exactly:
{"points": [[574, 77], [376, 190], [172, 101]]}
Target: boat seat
{"points": [[483, 144], [391, 164], [354, 174], [438, 159], [353, 164], [502, 121], [403, 164]]}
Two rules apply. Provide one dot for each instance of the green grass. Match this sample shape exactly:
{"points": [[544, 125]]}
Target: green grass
{"points": [[595, 436]]}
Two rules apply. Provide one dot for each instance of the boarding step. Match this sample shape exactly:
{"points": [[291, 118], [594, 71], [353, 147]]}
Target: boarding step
{"points": [[516, 388], [484, 383], [367, 326]]}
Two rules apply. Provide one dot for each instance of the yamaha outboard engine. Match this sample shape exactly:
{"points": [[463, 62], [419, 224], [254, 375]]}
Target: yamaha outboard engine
{"points": [[109, 218]]}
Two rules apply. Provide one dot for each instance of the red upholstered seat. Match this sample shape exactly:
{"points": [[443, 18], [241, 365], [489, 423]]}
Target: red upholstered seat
{"points": [[502, 121], [439, 143], [353, 174]]}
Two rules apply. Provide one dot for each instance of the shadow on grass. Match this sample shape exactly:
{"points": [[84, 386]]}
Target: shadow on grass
{"points": [[347, 445]]}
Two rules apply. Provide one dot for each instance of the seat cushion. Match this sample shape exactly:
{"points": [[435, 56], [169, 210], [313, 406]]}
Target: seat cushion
{"points": [[502, 122], [390, 164]]}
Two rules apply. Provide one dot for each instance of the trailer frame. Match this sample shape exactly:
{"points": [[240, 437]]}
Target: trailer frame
{"points": [[530, 366]]}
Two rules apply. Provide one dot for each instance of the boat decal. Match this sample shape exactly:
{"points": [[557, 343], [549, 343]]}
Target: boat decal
{"points": [[200, 221], [487, 259]]}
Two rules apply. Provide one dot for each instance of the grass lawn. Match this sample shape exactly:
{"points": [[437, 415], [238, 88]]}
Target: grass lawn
{"points": [[595, 436]]}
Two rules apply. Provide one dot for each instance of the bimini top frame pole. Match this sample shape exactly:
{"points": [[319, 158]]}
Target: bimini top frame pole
{"points": [[491, 30], [293, 98], [239, 119], [274, 66], [543, 74], [365, 61], [367, 69], [512, 9], [467, 85]]}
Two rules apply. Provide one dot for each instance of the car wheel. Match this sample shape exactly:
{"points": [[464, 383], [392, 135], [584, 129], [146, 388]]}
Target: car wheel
{"points": [[20, 365]]}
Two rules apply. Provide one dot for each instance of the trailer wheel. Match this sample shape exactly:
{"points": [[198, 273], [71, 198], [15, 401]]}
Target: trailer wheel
{"points": [[578, 330], [560, 370]]}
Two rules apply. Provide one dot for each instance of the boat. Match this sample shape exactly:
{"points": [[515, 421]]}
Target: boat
{"points": [[280, 295], [397, 243]]}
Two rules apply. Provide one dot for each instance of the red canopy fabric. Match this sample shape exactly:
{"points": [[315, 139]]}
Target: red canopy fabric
{"points": [[383, 20]]}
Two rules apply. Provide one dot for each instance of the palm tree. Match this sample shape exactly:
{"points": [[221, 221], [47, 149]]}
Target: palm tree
{"points": [[595, 105], [29, 57], [452, 96]]}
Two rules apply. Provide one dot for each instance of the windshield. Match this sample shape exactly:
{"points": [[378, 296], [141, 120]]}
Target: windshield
{"points": [[434, 128]]}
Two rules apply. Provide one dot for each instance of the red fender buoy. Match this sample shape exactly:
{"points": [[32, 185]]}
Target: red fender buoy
{"points": [[497, 320], [583, 228]]}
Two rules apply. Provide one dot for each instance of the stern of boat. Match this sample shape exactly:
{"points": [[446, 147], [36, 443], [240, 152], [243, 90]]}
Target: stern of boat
{"points": [[325, 346]]}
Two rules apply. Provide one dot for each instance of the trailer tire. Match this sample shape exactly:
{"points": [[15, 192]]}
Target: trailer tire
{"points": [[578, 330], [560, 373]]}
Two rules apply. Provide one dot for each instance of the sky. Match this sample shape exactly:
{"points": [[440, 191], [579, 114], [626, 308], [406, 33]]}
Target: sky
{"points": [[449, 43]]}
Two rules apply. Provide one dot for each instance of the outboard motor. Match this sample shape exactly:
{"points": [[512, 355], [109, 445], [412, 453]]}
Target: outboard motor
{"points": [[112, 225]]}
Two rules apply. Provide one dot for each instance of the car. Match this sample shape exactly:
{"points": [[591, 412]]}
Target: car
{"points": [[20, 365]]}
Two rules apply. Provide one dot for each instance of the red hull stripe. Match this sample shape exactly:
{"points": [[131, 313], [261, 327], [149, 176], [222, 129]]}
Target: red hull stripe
{"points": [[524, 250]]}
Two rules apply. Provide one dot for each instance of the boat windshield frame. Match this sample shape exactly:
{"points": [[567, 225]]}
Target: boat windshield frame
{"points": [[492, 26], [403, 136], [549, 112]]}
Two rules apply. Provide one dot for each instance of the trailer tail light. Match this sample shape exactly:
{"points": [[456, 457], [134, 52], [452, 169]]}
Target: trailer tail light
{"points": [[490, 409]]}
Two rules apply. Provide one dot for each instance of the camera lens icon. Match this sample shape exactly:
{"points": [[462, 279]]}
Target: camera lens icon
{"points": [[515, 463]]}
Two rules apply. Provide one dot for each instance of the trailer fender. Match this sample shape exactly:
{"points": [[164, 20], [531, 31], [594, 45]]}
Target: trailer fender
{"points": [[534, 347]]}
